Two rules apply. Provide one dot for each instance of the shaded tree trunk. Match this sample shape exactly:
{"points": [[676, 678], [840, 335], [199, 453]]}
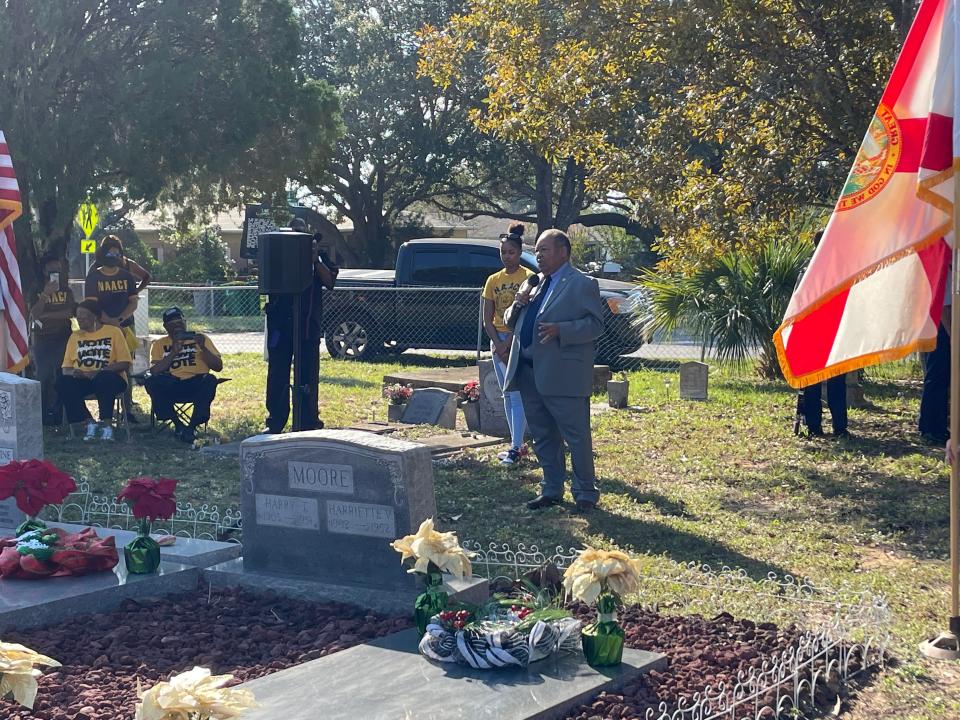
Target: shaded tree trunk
{"points": [[543, 173], [26, 247]]}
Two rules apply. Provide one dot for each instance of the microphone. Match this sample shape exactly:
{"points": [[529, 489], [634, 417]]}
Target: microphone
{"points": [[532, 281]]}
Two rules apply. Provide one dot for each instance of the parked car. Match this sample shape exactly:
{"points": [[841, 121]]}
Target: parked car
{"points": [[432, 300]]}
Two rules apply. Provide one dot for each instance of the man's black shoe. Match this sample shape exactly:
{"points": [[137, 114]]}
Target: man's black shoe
{"points": [[541, 501], [935, 439], [814, 433], [187, 435], [585, 506], [842, 435]]}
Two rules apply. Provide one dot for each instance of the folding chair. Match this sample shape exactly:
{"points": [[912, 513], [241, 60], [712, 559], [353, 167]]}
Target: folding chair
{"points": [[183, 411], [119, 415]]}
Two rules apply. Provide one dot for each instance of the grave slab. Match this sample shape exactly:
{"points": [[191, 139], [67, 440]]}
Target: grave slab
{"points": [[186, 551], [445, 445], [232, 574], [454, 378], [388, 679], [448, 378], [31, 603]]}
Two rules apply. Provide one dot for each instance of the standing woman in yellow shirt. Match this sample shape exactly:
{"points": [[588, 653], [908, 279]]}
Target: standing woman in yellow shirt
{"points": [[498, 295]]}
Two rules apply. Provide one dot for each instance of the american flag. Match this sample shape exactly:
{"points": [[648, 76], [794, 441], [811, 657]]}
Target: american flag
{"points": [[11, 292]]}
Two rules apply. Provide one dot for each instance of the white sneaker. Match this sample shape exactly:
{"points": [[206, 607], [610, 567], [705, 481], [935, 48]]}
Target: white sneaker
{"points": [[502, 455], [106, 433], [91, 433], [512, 456]]}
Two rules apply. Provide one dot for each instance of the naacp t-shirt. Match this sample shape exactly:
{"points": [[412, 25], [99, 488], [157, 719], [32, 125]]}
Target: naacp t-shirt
{"points": [[112, 288], [500, 289], [189, 361], [93, 351], [55, 316]]}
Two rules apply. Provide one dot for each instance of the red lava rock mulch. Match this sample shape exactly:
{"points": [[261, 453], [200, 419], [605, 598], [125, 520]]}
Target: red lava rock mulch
{"points": [[250, 635], [237, 632], [700, 652]]}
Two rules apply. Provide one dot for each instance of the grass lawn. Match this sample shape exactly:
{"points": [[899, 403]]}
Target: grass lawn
{"points": [[723, 482]]}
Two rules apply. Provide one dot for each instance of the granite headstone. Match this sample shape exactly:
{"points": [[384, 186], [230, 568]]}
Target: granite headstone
{"points": [[693, 380], [326, 504], [21, 431], [493, 417], [431, 406]]}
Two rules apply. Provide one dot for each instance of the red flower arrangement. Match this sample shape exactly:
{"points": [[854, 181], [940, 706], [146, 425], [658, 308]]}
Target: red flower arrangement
{"points": [[469, 393], [150, 498], [35, 484]]}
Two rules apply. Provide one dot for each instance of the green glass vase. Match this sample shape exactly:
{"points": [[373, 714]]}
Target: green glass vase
{"points": [[431, 601], [29, 525], [602, 639], [142, 554]]}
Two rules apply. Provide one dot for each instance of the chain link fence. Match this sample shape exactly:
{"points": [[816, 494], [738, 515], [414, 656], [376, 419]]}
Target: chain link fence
{"points": [[366, 323]]}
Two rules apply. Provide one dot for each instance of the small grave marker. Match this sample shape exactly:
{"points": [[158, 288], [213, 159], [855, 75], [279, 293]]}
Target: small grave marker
{"points": [[693, 380], [493, 416], [431, 406]]}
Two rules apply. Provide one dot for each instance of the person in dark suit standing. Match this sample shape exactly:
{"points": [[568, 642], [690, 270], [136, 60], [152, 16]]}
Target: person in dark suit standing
{"points": [[280, 335], [551, 364]]}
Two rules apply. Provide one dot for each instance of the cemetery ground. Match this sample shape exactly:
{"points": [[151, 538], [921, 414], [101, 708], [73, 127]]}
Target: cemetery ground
{"points": [[723, 482]]}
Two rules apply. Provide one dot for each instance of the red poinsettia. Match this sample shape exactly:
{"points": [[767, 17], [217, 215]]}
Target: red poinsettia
{"points": [[150, 498], [35, 484]]}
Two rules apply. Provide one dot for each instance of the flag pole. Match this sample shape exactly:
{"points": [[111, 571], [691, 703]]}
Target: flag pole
{"points": [[946, 646]]}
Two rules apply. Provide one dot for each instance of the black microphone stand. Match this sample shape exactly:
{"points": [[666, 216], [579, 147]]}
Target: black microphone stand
{"points": [[297, 391]]}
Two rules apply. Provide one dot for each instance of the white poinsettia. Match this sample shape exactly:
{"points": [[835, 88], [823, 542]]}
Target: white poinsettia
{"points": [[192, 695], [18, 676], [429, 546], [596, 571]]}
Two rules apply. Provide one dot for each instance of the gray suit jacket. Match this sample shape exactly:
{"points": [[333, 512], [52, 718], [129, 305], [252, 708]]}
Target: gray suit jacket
{"points": [[563, 366]]}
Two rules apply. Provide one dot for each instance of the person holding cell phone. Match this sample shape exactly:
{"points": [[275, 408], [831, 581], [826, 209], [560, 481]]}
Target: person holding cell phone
{"points": [[49, 332], [180, 371]]}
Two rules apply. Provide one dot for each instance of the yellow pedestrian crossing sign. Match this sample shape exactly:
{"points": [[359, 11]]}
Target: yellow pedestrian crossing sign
{"points": [[87, 218], [88, 247]]}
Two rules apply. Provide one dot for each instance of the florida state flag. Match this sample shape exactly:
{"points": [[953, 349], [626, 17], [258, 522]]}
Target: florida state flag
{"points": [[874, 289]]}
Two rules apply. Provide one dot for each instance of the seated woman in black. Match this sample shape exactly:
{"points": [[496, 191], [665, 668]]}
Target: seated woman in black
{"points": [[95, 363]]}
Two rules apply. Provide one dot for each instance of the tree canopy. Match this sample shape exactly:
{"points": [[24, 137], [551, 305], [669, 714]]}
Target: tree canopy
{"points": [[139, 101], [721, 123], [558, 83], [403, 135]]}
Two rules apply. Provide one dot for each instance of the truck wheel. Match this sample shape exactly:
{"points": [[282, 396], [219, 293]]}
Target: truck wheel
{"points": [[351, 340]]}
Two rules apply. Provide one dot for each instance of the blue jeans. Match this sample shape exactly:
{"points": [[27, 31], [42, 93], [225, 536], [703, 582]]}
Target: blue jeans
{"points": [[512, 404]]}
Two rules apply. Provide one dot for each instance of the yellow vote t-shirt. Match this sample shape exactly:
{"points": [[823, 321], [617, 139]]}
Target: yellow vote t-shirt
{"points": [[93, 351], [189, 361], [500, 288]]}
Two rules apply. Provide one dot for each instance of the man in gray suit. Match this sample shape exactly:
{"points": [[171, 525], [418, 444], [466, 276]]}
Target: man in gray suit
{"points": [[551, 364]]}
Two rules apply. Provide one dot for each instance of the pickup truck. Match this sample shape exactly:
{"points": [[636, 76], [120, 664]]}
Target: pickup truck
{"points": [[432, 300]]}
